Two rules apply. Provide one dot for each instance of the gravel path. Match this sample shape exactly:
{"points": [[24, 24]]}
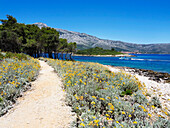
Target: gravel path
{"points": [[41, 107]]}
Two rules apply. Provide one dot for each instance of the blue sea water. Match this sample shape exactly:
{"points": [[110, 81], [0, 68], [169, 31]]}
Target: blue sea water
{"points": [[155, 62]]}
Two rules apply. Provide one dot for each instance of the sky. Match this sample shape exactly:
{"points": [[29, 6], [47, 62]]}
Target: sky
{"points": [[133, 21]]}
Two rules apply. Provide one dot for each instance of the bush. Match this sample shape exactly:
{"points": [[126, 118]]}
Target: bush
{"points": [[20, 56], [15, 78], [94, 93], [1, 56]]}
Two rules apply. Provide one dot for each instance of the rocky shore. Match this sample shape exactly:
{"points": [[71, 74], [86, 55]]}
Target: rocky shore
{"points": [[152, 75]]}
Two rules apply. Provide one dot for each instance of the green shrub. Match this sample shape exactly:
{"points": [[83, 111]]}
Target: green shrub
{"points": [[15, 77], [94, 93], [1, 56], [20, 56]]}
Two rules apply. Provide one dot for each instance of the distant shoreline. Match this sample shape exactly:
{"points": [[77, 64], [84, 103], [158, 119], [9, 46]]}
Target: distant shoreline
{"points": [[119, 55]]}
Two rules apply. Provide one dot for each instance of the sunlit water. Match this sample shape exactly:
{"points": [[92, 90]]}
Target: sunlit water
{"points": [[156, 62]]}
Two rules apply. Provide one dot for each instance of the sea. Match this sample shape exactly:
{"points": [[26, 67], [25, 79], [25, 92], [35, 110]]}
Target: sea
{"points": [[155, 62]]}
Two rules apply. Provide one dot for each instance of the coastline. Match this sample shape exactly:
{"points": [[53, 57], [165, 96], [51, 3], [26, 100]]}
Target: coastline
{"points": [[154, 88], [119, 55], [159, 77]]}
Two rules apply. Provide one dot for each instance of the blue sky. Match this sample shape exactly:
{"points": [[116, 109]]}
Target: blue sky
{"points": [[135, 21]]}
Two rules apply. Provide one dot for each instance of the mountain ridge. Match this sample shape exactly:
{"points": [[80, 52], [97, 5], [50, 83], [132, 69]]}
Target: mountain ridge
{"points": [[85, 41]]}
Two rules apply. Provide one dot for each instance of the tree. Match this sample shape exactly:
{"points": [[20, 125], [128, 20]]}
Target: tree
{"points": [[63, 47], [9, 41], [10, 22]]}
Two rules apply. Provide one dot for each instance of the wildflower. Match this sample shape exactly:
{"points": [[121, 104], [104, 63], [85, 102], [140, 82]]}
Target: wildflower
{"points": [[81, 97], [93, 102], [110, 104], [130, 115], [94, 97], [123, 112], [81, 80], [116, 97], [108, 97], [166, 113], [117, 122], [109, 111], [112, 107], [94, 117], [77, 107], [91, 122], [107, 115], [149, 115], [121, 125], [102, 99], [135, 122], [82, 124], [96, 121], [153, 106]]}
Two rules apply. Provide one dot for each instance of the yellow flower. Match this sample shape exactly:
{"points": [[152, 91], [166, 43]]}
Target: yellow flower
{"points": [[82, 124], [116, 97], [117, 121], [94, 97], [77, 107], [166, 113], [81, 97], [107, 115], [108, 97], [121, 125], [130, 115], [112, 107], [110, 104], [94, 117], [135, 122], [81, 80], [96, 121], [109, 111], [149, 115], [93, 102], [123, 112], [153, 106], [102, 99]]}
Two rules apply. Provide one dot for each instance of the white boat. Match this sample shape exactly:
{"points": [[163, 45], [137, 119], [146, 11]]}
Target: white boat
{"points": [[125, 58]]}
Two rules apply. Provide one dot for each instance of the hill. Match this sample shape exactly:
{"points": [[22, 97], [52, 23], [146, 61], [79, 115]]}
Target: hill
{"points": [[85, 41], [98, 51]]}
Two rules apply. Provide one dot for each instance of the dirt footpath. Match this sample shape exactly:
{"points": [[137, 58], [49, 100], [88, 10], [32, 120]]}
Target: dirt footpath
{"points": [[41, 107]]}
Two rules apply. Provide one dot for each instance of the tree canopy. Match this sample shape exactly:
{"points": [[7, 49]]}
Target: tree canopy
{"points": [[30, 39]]}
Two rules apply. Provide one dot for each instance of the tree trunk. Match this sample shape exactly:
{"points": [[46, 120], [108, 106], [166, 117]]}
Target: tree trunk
{"points": [[57, 56], [66, 56]]}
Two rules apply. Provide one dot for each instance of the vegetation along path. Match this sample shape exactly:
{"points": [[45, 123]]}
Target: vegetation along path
{"points": [[41, 107]]}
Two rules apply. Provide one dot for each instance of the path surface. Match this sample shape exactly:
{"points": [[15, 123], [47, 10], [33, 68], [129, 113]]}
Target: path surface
{"points": [[41, 107]]}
